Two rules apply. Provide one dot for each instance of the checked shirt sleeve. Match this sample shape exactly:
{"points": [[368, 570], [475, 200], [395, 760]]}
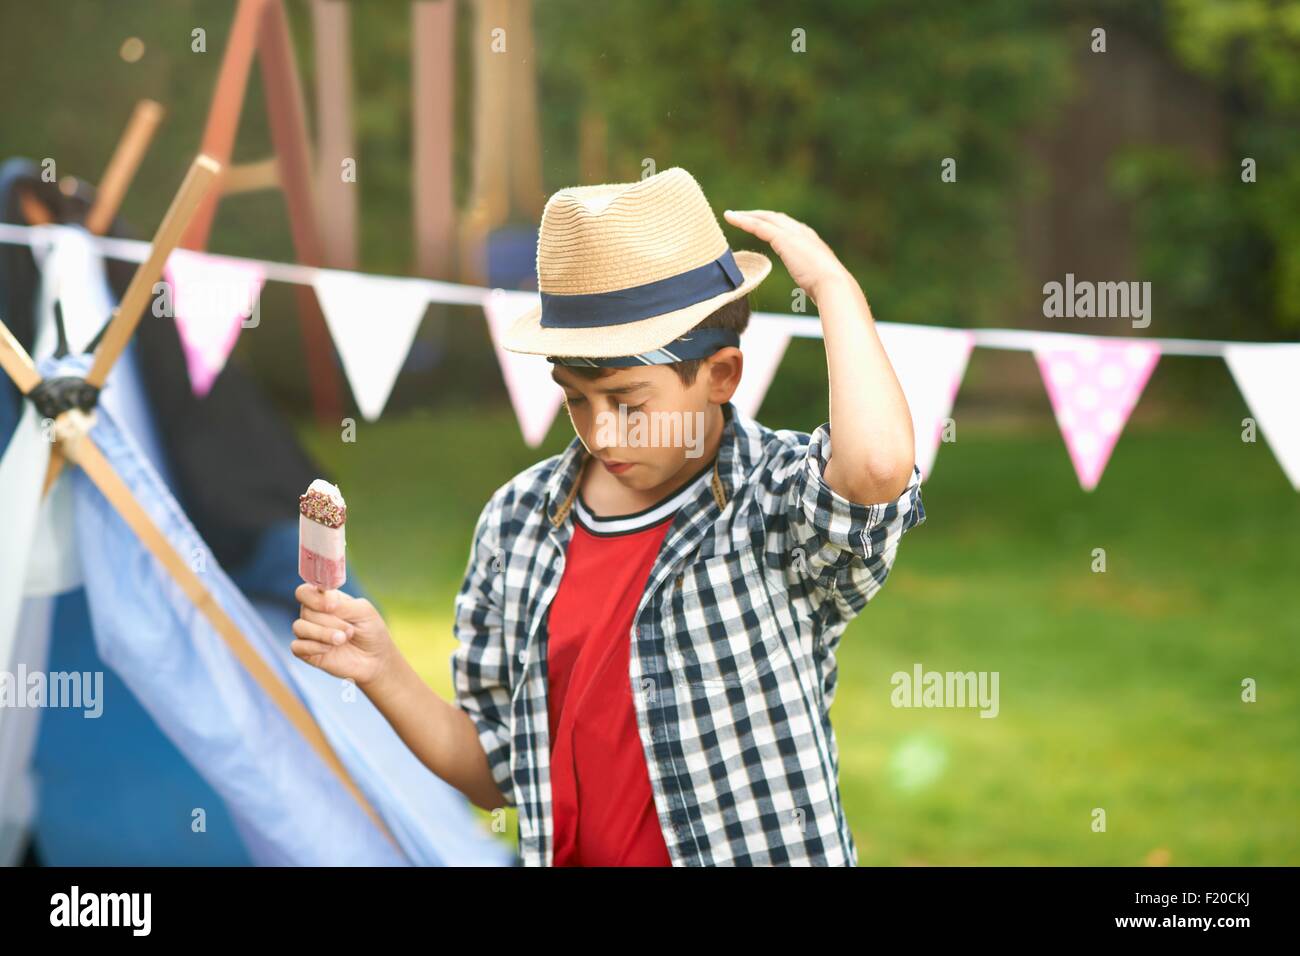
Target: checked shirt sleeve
{"points": [[480, 665], [844, 549]]}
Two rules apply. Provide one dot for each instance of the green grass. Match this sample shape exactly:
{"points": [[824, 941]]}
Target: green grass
{"points": [[1118, 690]]}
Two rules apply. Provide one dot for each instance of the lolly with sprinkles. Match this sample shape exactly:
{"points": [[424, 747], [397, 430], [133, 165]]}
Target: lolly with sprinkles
{"points": [[322, 513]]}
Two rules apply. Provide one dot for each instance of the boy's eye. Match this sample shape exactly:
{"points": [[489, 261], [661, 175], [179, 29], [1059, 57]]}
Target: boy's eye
{"points": [[574, 401]]}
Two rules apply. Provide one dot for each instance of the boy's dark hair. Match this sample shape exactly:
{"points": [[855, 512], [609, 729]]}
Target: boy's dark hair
{"points": [[733, 316]]}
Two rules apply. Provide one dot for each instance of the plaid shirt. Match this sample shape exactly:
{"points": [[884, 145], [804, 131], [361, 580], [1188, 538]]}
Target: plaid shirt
{"points": [[732, 665]]}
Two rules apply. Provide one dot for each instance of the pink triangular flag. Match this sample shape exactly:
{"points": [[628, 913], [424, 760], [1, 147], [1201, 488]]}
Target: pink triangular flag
{"points": [[930, 364], [763, 345], [1269, 378], [1094, 384], [533, 393], [212, 296]]}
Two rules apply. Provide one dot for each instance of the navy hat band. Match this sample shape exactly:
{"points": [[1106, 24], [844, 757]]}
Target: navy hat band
{"points": [[621, 306], [696, 344]]}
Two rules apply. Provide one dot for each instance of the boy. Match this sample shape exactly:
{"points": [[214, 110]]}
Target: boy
{"points": [[648, 629]]}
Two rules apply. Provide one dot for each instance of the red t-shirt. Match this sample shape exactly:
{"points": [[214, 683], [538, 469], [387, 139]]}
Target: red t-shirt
{"points": [[603, 808]]}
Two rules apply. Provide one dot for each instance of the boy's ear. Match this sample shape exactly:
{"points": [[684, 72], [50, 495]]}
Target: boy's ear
{"points": [[724, 368]]}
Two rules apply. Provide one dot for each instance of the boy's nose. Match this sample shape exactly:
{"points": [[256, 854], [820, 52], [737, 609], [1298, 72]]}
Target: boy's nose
{"points": [[590, 436]]}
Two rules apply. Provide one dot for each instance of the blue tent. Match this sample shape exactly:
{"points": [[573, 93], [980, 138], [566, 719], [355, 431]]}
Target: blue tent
{"points": [[189, 762]]}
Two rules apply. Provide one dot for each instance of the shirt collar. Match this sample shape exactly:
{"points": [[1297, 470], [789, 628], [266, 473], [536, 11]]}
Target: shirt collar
{"points": [[738, 450]]}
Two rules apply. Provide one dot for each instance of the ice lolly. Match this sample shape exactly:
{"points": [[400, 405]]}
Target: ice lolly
{"points": [[321, 514]]}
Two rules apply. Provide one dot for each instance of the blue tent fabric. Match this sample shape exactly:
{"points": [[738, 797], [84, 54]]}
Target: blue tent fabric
{"points": [[104, 786], [108, 789], [109, 786], [287, 805]]}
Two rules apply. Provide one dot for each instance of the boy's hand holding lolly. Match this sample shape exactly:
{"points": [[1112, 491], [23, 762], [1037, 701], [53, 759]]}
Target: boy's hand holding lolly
{"points": [[342, 635], [346, 637]]}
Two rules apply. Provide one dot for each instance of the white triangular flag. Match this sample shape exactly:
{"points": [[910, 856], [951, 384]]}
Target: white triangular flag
{"points": [[763, 345], [373, 320], [929, 363], [1269, 379], [533, 393]]}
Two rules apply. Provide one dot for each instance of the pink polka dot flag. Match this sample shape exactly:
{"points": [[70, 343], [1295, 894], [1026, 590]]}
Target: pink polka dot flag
{"points": [[1093, 386]]}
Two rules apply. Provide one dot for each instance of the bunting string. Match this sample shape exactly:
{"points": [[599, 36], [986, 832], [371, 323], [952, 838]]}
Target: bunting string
{"points": [[1093, 381], [452, 293]]}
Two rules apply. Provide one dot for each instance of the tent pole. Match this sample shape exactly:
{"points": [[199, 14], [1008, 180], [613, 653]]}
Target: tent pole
{"points": [[122, 167], [202, 172], [129, 311], [96, 466], [18, 365]]}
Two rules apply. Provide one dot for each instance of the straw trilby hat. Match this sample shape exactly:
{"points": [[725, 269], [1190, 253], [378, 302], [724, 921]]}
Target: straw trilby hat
{"points": [[627, 268]]}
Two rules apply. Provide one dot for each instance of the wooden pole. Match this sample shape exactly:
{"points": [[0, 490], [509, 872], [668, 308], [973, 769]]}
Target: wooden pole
{"points": [[489, 195], [337, 200], [97, 468], [525, 153], [15, 361], [18, 365], [202, 173], [227, 104], [251, 177], [261, 29], [288, 122], [219, 134], [122, 167], [198, 181], [433, 104]]}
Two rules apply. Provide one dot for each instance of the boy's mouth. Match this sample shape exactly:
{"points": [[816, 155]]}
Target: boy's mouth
{"points": [[617, 467]]}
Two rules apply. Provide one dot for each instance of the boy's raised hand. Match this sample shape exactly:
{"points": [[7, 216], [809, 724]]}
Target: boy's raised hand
{"points": [[340, 634], [875, 451], [807, 258]]}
